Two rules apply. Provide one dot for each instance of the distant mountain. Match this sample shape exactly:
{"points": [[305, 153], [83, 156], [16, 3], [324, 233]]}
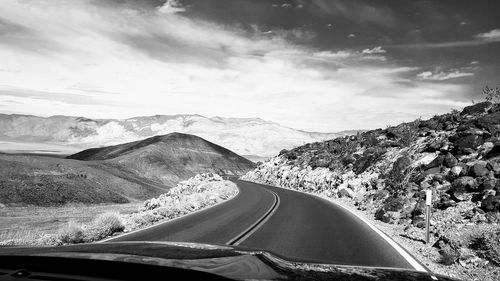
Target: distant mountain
{"points": [[116, 174], [252, 137], [169, 158]]}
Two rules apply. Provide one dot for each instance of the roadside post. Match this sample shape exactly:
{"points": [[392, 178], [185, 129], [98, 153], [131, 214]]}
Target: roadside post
{"points": [[428, 202]]}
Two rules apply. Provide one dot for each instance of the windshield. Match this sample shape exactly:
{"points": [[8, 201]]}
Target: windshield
{"points": [[346, 134]]}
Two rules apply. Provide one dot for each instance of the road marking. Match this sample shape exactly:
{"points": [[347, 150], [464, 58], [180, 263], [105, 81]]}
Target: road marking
{"points": [[256, 225], [410, 259], [168, 221]]}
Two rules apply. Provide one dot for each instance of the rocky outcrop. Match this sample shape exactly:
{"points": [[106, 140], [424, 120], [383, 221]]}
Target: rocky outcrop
{"points": [[387, 171]]}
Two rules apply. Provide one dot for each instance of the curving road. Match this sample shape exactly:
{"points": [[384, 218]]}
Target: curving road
{"points": [[293, 224]]}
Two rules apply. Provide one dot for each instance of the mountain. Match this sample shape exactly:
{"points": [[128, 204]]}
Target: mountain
{"points": [[116, 174], [169, 158], [252, 137]]}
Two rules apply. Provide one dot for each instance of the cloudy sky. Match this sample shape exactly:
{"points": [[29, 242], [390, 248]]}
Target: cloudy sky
{"points": [[319, 65]]}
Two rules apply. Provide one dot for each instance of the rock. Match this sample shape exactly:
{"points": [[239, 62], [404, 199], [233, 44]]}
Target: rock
{"points": [[431, 171], [437, 162], [491, 203], [489, 184], [401, 164], [418, 221], [343, 193], [490, 122], [432, 147], [461, 186], [450, 160], [479, 169], [380, 195], [425, 185], [457, 170], [468, 142], [494, 152], [395, 209], [478, 108], [390, 212], [445, 202], [493, 166]]}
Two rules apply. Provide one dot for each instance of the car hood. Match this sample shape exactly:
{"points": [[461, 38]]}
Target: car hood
{"points": [[227, 261]]}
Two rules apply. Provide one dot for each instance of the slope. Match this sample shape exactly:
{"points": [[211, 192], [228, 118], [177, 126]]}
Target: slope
{"points": [[168, 158]]}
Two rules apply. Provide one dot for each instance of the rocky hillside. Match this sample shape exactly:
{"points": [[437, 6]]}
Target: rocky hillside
{"points": [[169, 158], [386, 171], [252, 137]]}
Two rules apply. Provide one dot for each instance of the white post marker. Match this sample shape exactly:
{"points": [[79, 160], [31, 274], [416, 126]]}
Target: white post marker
{"points": [[428, 203]]}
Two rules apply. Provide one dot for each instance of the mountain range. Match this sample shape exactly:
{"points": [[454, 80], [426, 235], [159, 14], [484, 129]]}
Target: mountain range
{"points": [[253, 138]]}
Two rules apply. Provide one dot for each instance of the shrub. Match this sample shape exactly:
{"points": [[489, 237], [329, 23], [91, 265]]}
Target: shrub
{"points": [[490, 94], [406, 133], [487, 245], [400, 175], [449, 253], [73, 234], [104, 225]]}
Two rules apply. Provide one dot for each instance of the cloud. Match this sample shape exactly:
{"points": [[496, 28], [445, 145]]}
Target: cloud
{"points": [[354, 10], [119, 61], [171, 7], [440, 76], [490, 36], [376, 50], [479, 39]]}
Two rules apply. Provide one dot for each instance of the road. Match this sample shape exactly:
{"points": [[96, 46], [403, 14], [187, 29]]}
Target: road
{"points": [[293, 224]]}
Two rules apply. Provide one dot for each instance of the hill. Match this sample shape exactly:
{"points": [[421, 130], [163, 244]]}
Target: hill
{"points": [[50, 181], [118, 174], [169, 158], [246, 136], [385, 173]]}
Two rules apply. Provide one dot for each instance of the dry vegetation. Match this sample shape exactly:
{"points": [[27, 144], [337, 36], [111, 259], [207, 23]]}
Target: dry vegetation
{"points": [[83, 224], [26, 225]]}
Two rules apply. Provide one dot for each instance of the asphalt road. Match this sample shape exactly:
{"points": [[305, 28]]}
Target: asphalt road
{"points": [[301, 227]]}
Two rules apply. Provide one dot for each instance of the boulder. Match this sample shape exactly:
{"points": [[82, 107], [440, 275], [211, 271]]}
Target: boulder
{"points": [[494, 167], [401, 164], [459, 170], [445, 202], [489, 184], [494, 152], [461, 186], [432, 171], [450, 160], [478, 108], [432, 147], [490, 122], [479, 169], [395, 208], [343, 193], [491, 203], [380, 195], [390, 212], [418, 221], [437, 162], [468, 142]]}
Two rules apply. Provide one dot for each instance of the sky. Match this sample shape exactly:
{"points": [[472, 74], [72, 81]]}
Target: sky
{"points": [[318, 65]]}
